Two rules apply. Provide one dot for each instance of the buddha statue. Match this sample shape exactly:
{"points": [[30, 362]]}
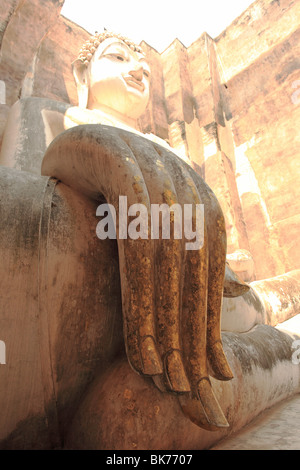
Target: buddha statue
{"points": [[171, 296]]}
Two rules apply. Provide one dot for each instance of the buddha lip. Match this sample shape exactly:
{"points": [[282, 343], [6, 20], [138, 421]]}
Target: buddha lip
{"points": [[135, 83]]}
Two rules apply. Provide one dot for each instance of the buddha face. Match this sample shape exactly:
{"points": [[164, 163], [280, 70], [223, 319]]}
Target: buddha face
{"points": [[118, 79]]}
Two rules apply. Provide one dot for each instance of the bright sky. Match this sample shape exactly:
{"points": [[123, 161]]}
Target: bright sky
{"points": [[158, 22]]}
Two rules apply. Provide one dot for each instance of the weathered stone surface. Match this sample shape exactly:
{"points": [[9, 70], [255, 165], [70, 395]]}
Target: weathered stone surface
{"points": [[53, 77], [241, 262], [261, 77], [218, 165], [287, 233], [270, 301], [178, 86], [154, 120], [33, 19], [280, 296], [29, 133], [263, 25], [7, 8], [4, 111], [216, 176], [241, 124], [201, 80], [60, 306], [123, 412]]}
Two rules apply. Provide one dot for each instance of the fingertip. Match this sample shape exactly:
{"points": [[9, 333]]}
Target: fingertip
{"points": [[194, 411], [211, 406], [152, 364], [160, 383], [175, 372], [220, 367]]}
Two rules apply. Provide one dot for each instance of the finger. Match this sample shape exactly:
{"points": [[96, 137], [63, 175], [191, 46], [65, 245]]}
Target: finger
{"points": [[201, 406], [208, 413], [203, 412], [168, 267], [216, 272], [233, 285]]}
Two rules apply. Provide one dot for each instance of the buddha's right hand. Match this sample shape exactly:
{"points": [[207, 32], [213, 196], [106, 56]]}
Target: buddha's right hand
{"points": [[171, 297]]}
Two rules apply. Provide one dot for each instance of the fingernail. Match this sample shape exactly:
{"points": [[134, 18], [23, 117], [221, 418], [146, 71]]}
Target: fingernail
{"points": [[160, 382], [151, 360], [211, 407], [219, 363], [175, 372]]}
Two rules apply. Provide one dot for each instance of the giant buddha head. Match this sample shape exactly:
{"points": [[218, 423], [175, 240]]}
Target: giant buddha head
{"points": [[112, 76]]}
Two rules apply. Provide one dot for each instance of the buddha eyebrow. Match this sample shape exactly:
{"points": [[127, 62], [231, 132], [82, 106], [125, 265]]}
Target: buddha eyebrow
{"points": [[119, 47], [116, 46], [122, 47]]}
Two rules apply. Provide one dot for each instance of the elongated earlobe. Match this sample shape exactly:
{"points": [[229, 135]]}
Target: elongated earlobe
{"points": [[80, 75]]}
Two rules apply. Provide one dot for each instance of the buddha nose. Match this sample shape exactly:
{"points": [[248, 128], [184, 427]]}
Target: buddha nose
{"points": [[137, 72]]}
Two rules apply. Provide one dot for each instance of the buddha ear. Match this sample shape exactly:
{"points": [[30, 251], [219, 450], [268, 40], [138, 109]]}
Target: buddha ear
{"points": [[80, 75]]}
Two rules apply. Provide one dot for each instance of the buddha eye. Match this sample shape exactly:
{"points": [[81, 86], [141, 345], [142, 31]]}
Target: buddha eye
{"points": [[114, 56], [146, 73]]}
